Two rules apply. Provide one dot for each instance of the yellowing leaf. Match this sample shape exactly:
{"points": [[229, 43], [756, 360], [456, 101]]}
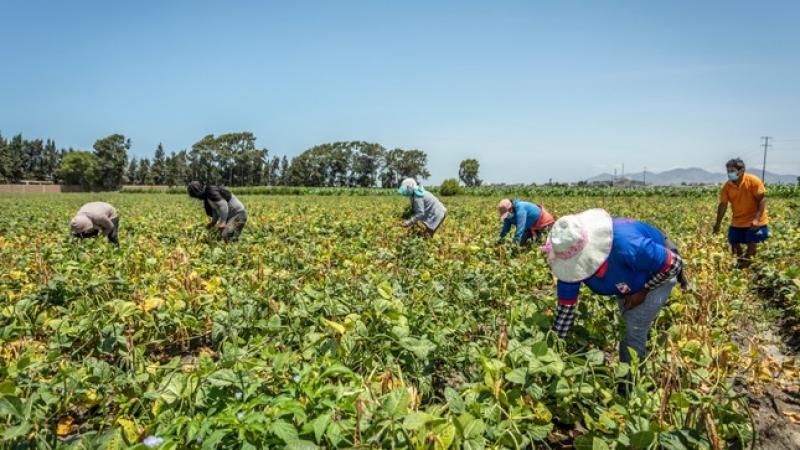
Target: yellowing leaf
{"points": [[152, 303], [129, 428], [336, 327], [16, 275], [64, 426]]}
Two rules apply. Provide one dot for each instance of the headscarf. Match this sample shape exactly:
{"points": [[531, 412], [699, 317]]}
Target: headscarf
{"points": [[208, 193], [410, 187]]}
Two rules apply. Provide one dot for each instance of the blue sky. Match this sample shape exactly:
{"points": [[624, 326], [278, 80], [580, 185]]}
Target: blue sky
{"points": [[534, 90]]}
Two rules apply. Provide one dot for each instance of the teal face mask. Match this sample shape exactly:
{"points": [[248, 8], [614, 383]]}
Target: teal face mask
{"points": [[733, 176], [419, 192]]}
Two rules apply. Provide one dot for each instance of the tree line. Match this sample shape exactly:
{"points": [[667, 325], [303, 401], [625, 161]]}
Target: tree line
{"points": [[231, 159]]}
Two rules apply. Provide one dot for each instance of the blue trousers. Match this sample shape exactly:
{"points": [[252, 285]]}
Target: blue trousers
{"points": [[639, 320]]}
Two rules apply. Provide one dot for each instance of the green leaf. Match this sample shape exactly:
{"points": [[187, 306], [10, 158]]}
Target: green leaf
{"points": [[173, 390], [595, 357], [445, 435], [320, 425], [17, 431], [477, 443], [336, 369], [539, 432], [212, 441], [420, 347], [416, 420], [643, 439], [561, 388], [671, 441], [470, 426], [10, 406], [385, 290], [223, 377], [301, 445], [284, 430], [454, 401], [8, 387], [590, 442], [396, 403], [517, 376], [334, 433]]}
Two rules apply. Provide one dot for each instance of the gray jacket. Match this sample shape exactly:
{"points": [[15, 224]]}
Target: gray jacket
{"points": [[94, 215], [428, 210], [223, 211]]}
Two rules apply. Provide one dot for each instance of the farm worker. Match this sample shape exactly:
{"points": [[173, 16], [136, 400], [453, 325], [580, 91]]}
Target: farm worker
{"points": [[631, 260], [532, 220], [426, 208], [93, 218], [747, 196], [226, 211]]}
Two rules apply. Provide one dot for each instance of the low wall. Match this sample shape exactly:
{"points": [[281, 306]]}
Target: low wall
{"points": [[40, 188], [145, 187]]}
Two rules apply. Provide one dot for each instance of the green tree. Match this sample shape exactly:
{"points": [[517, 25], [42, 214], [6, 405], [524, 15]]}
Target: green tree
{"points": [[309, 168], [399, 164], [178, 169], [33, 160], [468, 172], [367, 161], [112, 157], [14, 163], [144, 175], [159, 168], [282, 174], [5, 156], [78, 168], [240, 161], [272, 172], [133, 170], [50, 160], [202, 160], [450, 187]]}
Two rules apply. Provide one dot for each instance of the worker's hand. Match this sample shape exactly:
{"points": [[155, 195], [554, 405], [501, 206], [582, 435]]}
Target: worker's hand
{"points": [[404, 224], [755, 224], [221, 226], [631, 301], [716, 229]]}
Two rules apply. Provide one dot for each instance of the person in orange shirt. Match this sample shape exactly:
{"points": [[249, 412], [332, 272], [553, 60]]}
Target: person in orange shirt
{"points": [[747, 196]]}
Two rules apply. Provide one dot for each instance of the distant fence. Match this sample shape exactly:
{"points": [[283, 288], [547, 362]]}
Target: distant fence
{"points": [[38, 188]]}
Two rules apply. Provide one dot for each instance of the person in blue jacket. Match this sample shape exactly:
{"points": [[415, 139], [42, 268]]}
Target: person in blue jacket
{"points": [[625, 258], [532, 220]]}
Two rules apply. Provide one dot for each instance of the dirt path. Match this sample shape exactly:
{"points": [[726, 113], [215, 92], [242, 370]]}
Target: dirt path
{"points": [[770, 380]]}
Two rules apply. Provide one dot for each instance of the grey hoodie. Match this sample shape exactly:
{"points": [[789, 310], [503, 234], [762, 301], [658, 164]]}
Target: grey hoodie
{"points": [[94, 215], [428, 210], [222, 211]]}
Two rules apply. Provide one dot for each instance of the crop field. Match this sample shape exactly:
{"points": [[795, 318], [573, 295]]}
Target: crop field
{"points": [[327, 325]]}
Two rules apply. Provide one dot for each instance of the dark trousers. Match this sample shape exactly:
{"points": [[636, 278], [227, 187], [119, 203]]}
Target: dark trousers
{"points": [[530, 237], [113, 236], [233, 227]]}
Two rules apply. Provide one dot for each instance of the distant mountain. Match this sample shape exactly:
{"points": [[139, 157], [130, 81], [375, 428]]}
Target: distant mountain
{"points": [[692, 175]]}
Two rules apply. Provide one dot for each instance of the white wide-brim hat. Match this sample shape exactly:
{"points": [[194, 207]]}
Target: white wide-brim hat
{"points": [[579, 244]]}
